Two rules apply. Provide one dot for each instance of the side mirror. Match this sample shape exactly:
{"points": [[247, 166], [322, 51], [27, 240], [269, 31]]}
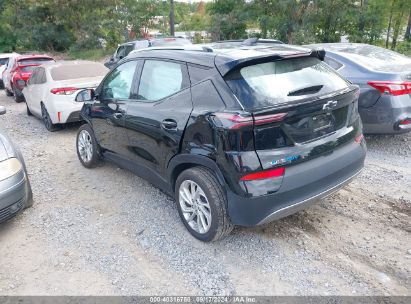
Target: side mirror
{"points": [[2, 110], [85, 95], [121, 57]]}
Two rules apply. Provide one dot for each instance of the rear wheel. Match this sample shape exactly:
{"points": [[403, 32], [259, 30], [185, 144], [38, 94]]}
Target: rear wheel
{"points": [[201, 204], [47, 120], [8, 92], [88, 150], [18, 96]]}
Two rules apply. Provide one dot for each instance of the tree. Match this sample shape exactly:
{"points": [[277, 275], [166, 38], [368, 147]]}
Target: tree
{"points": [[228, 19]]}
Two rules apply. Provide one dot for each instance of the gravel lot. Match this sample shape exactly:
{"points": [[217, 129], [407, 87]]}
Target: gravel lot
{"points": [[108, 232]]}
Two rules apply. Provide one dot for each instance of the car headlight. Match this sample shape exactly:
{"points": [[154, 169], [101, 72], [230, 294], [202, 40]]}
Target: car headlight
{"points": [[9, 167]]}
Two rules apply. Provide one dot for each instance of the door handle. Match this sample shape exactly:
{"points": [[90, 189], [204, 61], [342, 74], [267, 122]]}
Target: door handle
{"points": [[118, 115], [169, 124]]}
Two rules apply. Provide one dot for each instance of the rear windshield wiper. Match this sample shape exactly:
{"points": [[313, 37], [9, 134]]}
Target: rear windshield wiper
{"points": [[305, 91]]}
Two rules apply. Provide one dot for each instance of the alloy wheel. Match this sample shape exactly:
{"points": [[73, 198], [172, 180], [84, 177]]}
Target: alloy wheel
{"points": [[195, 206], [85, 146]]}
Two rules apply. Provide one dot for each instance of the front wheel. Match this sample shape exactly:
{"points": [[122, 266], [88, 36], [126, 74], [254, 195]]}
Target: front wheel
{"points": [[201, 204], [88, 150]]}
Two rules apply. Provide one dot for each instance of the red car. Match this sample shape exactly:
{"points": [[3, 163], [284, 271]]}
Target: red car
{"points": [[20, 71]]}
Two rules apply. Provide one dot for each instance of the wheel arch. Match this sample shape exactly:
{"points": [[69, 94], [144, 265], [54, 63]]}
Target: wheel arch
{"points": [[183, 162]]}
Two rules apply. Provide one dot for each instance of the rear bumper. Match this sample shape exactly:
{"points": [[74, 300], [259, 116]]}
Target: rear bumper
{"points": [[69, 112], [303, 184], [384, 117], [15, 195]]}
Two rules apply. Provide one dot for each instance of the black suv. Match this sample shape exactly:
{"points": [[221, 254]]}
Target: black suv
{"points": [[238, 136]]}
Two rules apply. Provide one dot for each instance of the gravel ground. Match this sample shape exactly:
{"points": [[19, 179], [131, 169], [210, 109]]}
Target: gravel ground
{"points": [[108, 232]]}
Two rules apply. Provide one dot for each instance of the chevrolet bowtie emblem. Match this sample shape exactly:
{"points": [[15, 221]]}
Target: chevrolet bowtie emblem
{"points": [[330, 105]]}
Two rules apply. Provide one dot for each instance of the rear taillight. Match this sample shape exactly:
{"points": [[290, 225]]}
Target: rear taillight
{"points": [[394, 88], [405, 122], [236, 121], [264, 174], [63, 91]]}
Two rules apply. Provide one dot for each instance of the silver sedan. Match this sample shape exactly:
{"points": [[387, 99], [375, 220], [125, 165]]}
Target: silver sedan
{"points": [[15, 189]]}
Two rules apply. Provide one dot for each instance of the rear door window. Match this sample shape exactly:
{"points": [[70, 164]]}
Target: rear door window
{"points": [[33, 77], [128, 49], [160, 79], [278, 82]]}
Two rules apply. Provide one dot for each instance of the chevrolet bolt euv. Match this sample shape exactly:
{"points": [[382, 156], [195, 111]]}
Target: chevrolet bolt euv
{"points": [[239, 136]]}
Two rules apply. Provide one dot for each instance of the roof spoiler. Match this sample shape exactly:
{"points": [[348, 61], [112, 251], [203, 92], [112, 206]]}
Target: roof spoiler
{"points": [[319, 53]]}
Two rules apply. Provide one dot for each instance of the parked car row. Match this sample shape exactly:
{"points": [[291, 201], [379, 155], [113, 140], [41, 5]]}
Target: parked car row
{"points": [[238, 133]]}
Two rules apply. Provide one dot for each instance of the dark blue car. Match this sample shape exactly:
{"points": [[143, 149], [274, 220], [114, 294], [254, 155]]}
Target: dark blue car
{"points": [[384, 78]]}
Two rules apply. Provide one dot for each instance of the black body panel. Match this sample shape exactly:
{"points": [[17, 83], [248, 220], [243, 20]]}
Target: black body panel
{"points": [[318, 141]]}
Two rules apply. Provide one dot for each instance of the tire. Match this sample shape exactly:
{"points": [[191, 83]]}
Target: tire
{"points": [[86, 139], [28, 111], [8, 93], [217, 221], [47, 120], [29, 202], [1, 84], [18, 97]]}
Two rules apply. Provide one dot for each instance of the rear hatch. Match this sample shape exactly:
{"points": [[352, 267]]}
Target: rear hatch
{"points": [[300, 106]]}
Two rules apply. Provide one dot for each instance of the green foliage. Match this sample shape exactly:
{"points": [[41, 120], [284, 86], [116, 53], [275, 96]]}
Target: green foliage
{"points": [[228, 19], [404, 48], [78, 25]]}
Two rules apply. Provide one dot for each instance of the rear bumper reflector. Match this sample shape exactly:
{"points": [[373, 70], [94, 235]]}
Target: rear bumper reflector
{"points": [[264, 174]]}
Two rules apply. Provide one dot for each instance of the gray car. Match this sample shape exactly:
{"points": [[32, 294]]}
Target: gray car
{"points": [[384, 78], [15, 189], [124, 49]]}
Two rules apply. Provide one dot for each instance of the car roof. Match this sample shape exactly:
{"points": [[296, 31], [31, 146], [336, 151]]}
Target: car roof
{"points": [[338, 45], [7, 55], [224, 59], [155, 39]]}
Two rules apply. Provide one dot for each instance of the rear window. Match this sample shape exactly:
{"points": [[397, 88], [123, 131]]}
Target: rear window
{"points": [[170, 42], [29, 68], [76, 71], [34, 61], [277, 82]]}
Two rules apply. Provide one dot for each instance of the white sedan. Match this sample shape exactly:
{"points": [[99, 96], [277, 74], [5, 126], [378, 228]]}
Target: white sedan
{"points": [[52, 88]]}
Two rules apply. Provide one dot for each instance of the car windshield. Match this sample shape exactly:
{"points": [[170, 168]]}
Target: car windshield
{"points": [[34, 60], [76, 71], [275, 82]]}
